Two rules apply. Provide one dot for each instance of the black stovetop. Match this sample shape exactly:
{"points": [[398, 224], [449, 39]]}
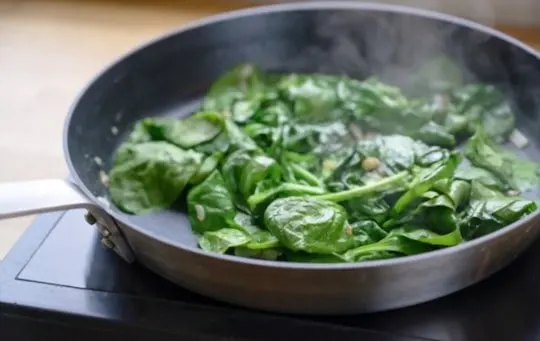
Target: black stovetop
{"points": [[58, 281]]}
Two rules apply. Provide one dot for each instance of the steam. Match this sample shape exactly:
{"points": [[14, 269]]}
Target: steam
{"points": [[394, 46]]}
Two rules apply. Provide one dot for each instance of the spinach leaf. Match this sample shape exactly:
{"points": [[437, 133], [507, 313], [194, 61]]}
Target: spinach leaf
{"points": [[375, 207], [436, 209], [257, 169], [209, 164], [210, 205], [367, 232], [470, 173], [244, 81], [150, 175], [238, 139], [314, 97], [379, 106], [188, 132], [247, 239], [220, 241], [309, 224], [260, 239], [511, 170], [266, 254], [397, 153], [425, 178], [490, 211], [273, 113], [139, 134], [244, 170], [404, 241], [484, 105]]}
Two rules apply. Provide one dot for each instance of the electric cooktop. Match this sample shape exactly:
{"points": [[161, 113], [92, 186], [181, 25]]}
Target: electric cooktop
{"points": [[59, 281]]}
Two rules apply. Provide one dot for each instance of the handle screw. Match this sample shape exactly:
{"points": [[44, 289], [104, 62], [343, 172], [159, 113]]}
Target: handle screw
{"points": [[90, 219], [107, 243]]}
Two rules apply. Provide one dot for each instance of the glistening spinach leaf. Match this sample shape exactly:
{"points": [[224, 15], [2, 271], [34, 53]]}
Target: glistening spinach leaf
{"points": [[490, 211], [425, 178], [309, 224], [220, 241], [210, 205], [150, 175], [260, 239], [404, 241], [513, 171], [484, 105], [242, 82], [188, 132]]}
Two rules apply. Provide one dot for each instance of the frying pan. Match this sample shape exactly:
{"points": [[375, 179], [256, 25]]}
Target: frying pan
{"points": [[169, 76]]}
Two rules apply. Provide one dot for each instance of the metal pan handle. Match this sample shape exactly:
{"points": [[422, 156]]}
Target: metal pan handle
{"points": [[40, 196]]}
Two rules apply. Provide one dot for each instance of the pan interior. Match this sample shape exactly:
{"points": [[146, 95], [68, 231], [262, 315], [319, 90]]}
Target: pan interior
{"points": [[170, 76]]}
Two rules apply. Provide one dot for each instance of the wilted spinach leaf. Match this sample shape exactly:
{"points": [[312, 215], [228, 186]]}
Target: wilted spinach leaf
{"points": [[210, 204], [240, 83], [188, 132], [260, 239], [309, 224], [150, 175], [314, 97], [490, 211], [425, 178], [484, 105], [513, 171], [403, 241], [220, 241], [379, 106]]}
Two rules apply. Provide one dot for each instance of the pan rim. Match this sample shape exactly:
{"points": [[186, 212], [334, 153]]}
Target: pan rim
{"points": [[293, 7]]}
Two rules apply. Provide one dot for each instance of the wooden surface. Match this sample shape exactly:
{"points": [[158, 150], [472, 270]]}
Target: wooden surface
{"points": [[50, 49]]}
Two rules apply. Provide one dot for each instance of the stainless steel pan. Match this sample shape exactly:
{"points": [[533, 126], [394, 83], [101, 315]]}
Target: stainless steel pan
{"points": [[170, 74]]}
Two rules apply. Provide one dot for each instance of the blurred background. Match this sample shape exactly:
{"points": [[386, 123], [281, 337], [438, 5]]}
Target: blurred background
{"points": [[49, 49]]}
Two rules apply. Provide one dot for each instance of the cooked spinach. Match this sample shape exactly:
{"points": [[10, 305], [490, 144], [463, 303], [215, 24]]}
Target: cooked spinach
{"points": [[210, 204], [309, 224], [327, 169], [151, 175], [509, 169]]}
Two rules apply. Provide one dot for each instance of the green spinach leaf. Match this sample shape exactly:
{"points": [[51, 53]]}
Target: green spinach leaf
{"points": [[484, 105], [150, 175], [210, 205], [513, 171], [490, 211], [220, 241], [309, 224], [425, 178], [188, 132]]}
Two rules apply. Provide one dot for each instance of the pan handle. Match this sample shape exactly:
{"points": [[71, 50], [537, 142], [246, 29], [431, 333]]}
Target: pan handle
{"points": [[39, 196]]}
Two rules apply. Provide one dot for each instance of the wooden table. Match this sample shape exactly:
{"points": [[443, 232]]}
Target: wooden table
{"points": [[50, 49]]}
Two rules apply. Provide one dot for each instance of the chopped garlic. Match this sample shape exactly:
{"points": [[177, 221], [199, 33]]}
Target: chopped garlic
{"points": [[104, 178], [518, 139], [199, 210], [98, 161]]}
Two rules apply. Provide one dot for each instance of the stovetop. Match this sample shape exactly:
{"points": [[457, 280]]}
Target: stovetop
{"points": [[58, 280]]}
